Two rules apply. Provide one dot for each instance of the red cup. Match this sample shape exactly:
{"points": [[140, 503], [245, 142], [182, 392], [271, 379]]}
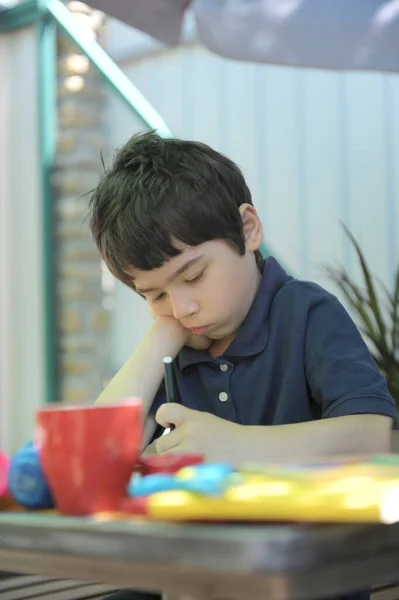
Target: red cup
{"points": [[88, 454]]}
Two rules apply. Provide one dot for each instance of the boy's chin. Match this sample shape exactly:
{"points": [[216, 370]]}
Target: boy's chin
{"points": [[199, 342]]}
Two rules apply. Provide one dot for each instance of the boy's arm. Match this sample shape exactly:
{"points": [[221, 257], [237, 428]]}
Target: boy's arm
{"points": [[143, 372], [354, 434], [221, 440]]}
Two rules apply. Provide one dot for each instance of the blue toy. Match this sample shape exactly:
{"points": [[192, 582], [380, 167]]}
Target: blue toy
{"points": [[205, 479], [26, 482]]}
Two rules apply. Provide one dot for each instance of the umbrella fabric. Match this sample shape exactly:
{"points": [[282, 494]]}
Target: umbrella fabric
{"points": [[161, 19], [329, 34]]}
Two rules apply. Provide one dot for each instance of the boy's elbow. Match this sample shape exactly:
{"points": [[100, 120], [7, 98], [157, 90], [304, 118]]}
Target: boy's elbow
{"points": [[377, 433]]}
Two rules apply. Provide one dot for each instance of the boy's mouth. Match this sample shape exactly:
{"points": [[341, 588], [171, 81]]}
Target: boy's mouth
{"points": [[199, 330]]}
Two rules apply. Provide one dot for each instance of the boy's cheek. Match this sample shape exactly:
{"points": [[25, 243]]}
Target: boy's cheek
{"points": [[156, 312]]}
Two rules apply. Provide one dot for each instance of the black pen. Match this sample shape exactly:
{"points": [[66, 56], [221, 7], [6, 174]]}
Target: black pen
{"points": [[170, 386]]}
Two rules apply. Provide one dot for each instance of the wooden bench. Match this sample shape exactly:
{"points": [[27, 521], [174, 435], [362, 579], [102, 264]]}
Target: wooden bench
{"points": [[386, 592], [35, 587]]}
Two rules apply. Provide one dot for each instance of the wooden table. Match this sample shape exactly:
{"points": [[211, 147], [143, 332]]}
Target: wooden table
{"points": [[238, 562]]}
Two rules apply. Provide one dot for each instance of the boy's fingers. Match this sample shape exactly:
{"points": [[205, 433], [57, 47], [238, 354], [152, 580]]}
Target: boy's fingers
{"points": [[168, 442], [172, 414]]}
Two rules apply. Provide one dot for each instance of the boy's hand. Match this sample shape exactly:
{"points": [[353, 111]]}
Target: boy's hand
{"points": [[172, 325], [196, 432], [198, 342], [151, 449]]}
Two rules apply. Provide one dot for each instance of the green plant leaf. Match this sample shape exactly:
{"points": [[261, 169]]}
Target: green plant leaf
{"points": [[392, 300], [373, 299], [378, 318], [395, 316], [354, 297]]}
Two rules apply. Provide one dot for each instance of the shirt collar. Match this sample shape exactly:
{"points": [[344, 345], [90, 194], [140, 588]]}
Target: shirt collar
{"points": [[252, 337]]}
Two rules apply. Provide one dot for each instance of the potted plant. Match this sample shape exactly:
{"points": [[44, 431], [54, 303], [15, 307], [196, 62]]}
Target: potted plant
{"points": [[376, 310]]}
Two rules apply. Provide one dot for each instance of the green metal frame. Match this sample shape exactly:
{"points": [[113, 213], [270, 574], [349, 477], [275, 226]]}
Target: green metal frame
{"points": [[47, 54], [48, 16], [18, 16], [112, 74]]}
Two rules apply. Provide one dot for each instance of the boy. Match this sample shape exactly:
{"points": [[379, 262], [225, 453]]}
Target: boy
{"points": [[267, 367]]}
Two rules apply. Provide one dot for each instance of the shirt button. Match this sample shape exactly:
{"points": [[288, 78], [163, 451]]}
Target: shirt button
{"points": [[223, 397], [224, 368]]}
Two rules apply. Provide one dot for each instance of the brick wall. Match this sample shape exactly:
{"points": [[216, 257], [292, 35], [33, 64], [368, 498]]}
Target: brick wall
{"points": [[82, 321]]}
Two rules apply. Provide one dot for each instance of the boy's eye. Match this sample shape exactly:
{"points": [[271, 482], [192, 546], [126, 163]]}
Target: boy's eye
{"points": [[159, 297], [196, 278]]}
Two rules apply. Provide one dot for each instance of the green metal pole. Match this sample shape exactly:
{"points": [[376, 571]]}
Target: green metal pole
{"points": [[113, 75], [47, 41], [21, 15]]}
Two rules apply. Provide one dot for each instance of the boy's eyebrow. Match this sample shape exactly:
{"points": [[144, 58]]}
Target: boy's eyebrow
{"points": [[178, 272]]}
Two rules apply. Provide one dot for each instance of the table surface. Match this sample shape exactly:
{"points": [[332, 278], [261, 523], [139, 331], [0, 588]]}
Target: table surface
{"points": [[280, 562]]}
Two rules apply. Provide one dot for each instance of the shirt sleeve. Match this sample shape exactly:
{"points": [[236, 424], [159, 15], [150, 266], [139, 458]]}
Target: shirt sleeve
{"points": [[341, 373]]}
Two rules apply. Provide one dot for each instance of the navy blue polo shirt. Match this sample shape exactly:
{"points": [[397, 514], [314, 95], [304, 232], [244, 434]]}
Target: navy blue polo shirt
{"points": [[297, 357]]}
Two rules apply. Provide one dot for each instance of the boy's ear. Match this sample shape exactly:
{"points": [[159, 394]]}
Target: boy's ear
{"points": [[252, 226]]}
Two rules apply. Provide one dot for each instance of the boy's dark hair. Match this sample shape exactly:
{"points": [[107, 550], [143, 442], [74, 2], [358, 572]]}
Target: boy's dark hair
{"points": [[159, 191]]}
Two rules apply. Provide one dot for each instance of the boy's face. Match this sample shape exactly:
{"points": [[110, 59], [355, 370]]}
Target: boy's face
{"points": [[209, 288]]}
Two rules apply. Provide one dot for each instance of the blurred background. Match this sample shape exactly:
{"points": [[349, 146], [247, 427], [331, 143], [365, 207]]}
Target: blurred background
{"points": [[318, 147]]}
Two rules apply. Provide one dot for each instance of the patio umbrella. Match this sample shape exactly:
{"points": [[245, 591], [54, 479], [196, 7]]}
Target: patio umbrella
{"points": [[328, 34]]}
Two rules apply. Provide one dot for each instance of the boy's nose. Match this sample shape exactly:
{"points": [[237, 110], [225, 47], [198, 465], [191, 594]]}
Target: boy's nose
{"points": [[183, 309]]}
